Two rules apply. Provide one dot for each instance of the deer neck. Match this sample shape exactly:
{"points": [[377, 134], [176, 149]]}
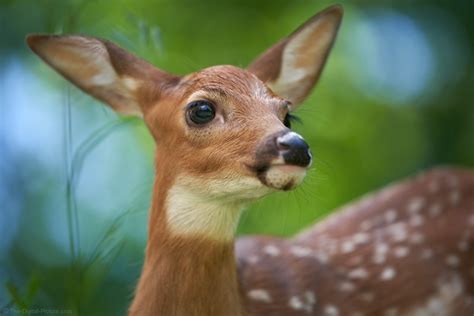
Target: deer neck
{"points": [[189, 266]]}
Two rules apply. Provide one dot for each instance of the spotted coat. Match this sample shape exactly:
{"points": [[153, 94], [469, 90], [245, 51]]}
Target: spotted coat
{"points": [[406, 250]]}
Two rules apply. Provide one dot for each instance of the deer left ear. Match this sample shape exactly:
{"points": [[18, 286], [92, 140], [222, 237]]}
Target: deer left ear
{"points": [[103, 70], [292, 66]]}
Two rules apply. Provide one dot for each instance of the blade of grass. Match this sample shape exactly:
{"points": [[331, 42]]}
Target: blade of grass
{"points": [[73, 164], [93, 140]]}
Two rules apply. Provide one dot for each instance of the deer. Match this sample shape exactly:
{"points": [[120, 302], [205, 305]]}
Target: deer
{"points": [[224, 140]]}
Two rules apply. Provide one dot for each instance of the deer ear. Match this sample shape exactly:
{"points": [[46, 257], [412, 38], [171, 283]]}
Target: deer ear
{"points": [[292, 66], [101, 69]]}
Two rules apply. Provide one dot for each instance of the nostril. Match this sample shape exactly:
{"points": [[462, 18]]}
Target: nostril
{"points": [[283, 144]]}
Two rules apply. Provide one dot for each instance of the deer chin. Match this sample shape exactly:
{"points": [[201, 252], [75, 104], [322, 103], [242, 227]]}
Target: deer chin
{"points": [[233, 188], [283, 177]]}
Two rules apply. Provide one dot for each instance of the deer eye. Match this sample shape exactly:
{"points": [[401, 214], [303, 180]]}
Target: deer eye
{"points": [[287, 121], [200, 112]]}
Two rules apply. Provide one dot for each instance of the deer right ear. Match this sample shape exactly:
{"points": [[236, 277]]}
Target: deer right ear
{"points": [[292, 66], [101, 69]]}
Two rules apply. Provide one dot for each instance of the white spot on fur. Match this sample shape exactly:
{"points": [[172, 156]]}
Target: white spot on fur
{"points": [[361, 238], [259, 295], [401, 251], [443, 302], [299, 251], [295, 303], [435, 210], [416, 204], [271, 250], [380, 254], [347, 286], [310, 297], [416, 238], [306, 304], [452, 261], [398, 232], [321, 257], [347, 246], [390, 216], [253, 259], [359, 273], [381, 248], [435, 304], [388, 274], [416, 220], [331, 310]]}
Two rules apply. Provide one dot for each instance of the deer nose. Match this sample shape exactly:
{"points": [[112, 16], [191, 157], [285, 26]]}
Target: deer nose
{"points": [[294, 150]]}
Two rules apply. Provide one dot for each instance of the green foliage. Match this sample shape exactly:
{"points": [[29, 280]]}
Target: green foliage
{"points": [[23, 301], [83, 215]]}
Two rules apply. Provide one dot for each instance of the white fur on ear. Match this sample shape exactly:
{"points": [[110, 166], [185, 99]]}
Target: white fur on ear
{"points": [[292, 66], [86, 62], [98, 67], [302, 61]]}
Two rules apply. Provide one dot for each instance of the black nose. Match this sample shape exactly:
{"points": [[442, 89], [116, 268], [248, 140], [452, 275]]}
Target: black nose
{"points": [[294, 149]]}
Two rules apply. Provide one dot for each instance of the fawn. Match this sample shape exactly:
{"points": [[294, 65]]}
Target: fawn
{"points": [[223, 140]]}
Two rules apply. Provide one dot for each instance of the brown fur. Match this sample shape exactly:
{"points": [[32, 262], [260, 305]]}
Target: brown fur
{"points": [[330, 266], [183, 275], [192, 274], [196, 275], [179, 142], [268, 65]]}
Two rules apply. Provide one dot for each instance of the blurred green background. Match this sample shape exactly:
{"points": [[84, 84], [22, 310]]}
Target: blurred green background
{"points": [[396, 97]]}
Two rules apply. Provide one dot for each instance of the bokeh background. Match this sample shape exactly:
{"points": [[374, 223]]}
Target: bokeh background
{"points": [[396, 97]]}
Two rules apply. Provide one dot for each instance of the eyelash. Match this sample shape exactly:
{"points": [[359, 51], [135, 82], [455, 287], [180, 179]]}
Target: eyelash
{"points": [[290, 118]]}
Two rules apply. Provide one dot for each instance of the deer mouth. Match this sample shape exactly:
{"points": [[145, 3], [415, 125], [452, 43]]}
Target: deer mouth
{"points": [[280, 176], [282, 160]]}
